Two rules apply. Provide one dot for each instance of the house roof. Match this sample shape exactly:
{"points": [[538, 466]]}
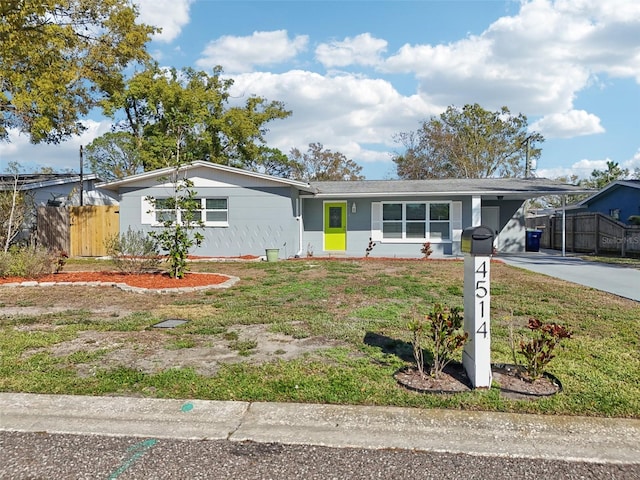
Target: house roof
{"points": [[115, 185], [608, 189], [507, 188], [33, 181]]}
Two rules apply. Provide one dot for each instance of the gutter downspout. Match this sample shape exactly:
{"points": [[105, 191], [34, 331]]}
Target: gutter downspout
{"points": [[300, 226]]}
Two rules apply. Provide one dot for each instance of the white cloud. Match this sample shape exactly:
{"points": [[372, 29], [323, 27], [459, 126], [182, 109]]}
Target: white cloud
{"points": [[581, 168], [573, 123], [242, 54], [347, 113], [633, 163], [63, 156], [360, 50], [534, 62], [170, 15]]}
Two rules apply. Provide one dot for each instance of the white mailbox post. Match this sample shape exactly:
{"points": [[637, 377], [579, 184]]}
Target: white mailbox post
{"points": [[477, 245]]}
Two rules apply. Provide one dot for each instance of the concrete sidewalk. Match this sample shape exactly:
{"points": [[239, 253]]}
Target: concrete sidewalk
{"points": [[622, 281], [475, 433]]}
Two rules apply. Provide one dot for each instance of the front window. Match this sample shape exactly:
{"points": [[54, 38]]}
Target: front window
{"points": [[212, 211], [416, 221], [164, 211], [216, 211]]}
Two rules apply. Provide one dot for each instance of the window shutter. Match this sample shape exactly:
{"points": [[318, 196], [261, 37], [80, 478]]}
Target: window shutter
{"points": [[376, 221], [456, 221], [147, 212]]}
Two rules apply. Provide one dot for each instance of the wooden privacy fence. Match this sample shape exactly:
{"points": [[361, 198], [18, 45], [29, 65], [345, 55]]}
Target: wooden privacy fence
{"points": [[79, 231], [588, 233]]}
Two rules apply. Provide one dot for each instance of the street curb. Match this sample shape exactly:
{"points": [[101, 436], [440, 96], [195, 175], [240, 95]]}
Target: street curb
{"points": [[566, 438]]}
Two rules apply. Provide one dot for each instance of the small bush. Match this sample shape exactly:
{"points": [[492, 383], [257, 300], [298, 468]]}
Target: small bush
{"points": [[442, 328], [369, 247], [27, 262], [538, 351], [133, 252]]}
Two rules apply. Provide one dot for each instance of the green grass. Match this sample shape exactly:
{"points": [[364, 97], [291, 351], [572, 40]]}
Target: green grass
{"points": [[362, 306], [633, 262]]}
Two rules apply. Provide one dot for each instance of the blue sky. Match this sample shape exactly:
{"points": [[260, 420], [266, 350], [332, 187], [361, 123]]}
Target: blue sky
{"points": [[355, 73]]}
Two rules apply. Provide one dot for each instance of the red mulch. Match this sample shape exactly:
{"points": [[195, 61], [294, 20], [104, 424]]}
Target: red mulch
{"points": [[144, 280], [240, 257]]}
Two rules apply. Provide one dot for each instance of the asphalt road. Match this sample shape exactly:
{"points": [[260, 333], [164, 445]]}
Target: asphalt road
{"points": [[33, 455]]}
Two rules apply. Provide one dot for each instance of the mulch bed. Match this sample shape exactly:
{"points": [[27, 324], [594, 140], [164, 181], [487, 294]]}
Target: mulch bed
{"points": [[143, 280], [454, 380]]}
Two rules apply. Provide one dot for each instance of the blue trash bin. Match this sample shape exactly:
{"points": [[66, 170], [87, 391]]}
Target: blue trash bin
{"points": [[532, 243]]}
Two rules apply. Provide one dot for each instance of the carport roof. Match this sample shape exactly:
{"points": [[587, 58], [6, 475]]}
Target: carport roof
{"points": [[507, 188]]}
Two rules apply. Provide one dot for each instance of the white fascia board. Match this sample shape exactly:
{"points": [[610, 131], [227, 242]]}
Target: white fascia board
{"points": [[115, 185]]}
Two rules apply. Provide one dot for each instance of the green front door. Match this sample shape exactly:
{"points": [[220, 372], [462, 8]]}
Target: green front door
{"points": [[335, 226]]}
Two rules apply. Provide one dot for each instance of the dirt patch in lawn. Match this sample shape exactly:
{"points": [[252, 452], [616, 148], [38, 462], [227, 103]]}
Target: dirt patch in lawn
{"points": [[157, 350], [150, 350]]}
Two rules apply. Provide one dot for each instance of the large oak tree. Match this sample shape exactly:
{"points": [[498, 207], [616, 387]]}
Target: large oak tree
{"points": [[177, 116], [468, 142], [57, 59]]}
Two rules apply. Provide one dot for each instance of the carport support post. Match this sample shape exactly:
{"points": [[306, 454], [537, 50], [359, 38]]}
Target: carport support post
{"points": [[476, 356]]}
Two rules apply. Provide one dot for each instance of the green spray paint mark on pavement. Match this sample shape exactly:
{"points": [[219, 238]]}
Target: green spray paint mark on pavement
{"points": [[187, 407], [136, 451]]}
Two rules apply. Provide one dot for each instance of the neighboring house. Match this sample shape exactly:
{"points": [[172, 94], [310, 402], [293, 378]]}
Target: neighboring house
{"points": [[59, 189], [54, 189], [246, 212], [619, 200]]}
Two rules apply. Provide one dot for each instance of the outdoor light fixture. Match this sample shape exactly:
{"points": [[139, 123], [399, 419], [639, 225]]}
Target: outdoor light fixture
{"points": [[353, 207]]}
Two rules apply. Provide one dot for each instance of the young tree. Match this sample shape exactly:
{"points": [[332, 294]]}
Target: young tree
{"points": [[320, 164], [181, 219], [114, 155], [177, 116], [468, 143], [14, 207], [57, 59]]}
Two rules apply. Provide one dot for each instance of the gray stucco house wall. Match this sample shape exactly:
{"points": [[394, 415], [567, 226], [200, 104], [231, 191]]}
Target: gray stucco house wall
{"points": [[251, 212], [246, 213]]}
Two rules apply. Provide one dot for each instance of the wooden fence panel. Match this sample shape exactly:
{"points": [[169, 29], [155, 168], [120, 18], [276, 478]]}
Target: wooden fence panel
{"points": [[90, 226], [588, 233], [52, 228]]}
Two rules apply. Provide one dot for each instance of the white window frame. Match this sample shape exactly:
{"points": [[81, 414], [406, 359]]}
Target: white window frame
{"points": [[219, 223], [149, 212], [427, 221]]}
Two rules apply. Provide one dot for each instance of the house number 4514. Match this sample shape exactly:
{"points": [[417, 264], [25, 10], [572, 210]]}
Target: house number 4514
{"points": [[481, 294]]}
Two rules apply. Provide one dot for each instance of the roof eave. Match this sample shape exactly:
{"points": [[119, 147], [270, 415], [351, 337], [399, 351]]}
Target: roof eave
{"points": [[115, 185]]}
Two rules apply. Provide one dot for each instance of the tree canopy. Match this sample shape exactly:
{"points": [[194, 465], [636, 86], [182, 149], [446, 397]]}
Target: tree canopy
{"points": [[601, 178], [114, 155], [470, 142], [57, 59], [177, 116], [319, 164]]}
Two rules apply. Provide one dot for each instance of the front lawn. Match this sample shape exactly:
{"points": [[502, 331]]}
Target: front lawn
{"points": [[350, 314]]}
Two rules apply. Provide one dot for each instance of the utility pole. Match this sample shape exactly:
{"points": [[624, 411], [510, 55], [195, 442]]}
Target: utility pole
{"points": [[81, 178], [527, 163]]}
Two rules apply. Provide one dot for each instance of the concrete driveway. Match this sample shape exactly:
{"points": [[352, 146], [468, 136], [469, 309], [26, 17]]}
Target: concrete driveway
{"points": [[622, 281]]}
